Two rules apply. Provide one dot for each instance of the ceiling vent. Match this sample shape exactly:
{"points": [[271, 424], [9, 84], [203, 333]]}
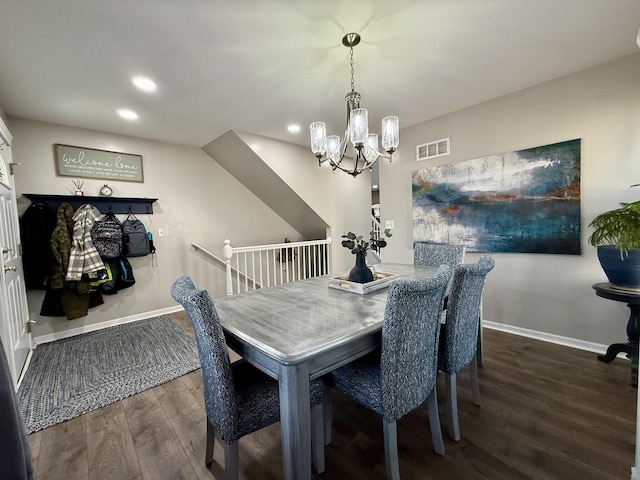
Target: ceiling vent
{"points": [[434, 149]]}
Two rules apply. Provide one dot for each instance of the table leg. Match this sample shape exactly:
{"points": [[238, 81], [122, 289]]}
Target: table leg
{"points": [[295, 421], [631, 347], [613, 351], [633, 331]]}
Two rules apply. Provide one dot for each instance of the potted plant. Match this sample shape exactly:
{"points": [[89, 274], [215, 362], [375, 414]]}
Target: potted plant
{"points": [[360, 273], [617, 239]]}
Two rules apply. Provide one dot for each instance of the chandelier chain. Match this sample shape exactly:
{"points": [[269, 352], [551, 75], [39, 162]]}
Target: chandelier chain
{"points": [[351, 63]]}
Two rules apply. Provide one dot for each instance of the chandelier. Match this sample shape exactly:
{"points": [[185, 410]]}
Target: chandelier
{"points": [[333, 149]]}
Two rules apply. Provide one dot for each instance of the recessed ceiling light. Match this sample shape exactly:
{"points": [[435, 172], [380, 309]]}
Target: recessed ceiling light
{"points": [[128, 114], [293, 128], [144, 84]]}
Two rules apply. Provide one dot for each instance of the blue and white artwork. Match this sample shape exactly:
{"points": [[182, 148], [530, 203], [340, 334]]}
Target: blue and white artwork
{"points": [[526, 201]]}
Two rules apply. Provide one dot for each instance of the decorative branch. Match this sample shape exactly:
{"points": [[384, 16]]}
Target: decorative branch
{"points": [[358, 244]]}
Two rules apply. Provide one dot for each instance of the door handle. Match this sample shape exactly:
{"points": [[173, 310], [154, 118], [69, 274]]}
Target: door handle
{"points": [[5, 249], [12, 268], [29, 325]]}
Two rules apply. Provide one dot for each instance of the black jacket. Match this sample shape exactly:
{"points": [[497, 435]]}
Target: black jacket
{"points": [[36, 226]]}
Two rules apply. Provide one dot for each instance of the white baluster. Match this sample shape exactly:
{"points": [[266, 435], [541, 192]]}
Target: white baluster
{"points": [[227, 252]]}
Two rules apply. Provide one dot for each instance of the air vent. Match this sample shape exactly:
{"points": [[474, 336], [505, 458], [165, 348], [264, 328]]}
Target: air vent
{"points": [[434, 149]]}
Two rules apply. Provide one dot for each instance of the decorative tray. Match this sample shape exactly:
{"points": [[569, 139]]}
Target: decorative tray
{"points": [[380, 280]]}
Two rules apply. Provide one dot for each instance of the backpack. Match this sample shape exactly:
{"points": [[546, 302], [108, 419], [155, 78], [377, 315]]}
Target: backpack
{"points": [[126, 278], [137, 243], [109, 286], [120, 275], [108, 237]]}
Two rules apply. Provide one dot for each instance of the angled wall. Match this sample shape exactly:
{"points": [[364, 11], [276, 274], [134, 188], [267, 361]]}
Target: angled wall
{"points": [[241, 161]]}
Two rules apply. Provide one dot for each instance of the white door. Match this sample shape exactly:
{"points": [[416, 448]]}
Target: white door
{"points": [[14, 312]]}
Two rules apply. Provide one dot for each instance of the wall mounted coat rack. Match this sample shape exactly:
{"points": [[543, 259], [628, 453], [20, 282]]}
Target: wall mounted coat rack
{"points": [[104, 204]]}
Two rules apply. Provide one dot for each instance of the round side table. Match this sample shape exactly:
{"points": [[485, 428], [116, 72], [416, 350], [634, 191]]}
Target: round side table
{"points": [[632, 299]]}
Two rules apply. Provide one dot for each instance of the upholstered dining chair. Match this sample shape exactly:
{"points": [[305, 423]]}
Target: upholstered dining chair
{"points": [[400, 376], [434, 254], [459, 334], [239, 398]]}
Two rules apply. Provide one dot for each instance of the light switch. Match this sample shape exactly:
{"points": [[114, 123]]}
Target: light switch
{"points": [[161, 232], [388, 224]]}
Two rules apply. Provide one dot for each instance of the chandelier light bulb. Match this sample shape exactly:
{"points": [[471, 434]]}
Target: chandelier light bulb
{"points": [[333, 147], [371, 150], [390, 133], [318, 138], [359, 126]]}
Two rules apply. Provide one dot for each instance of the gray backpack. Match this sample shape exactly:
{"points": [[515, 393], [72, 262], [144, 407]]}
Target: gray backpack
{"points": [[135, 234]]}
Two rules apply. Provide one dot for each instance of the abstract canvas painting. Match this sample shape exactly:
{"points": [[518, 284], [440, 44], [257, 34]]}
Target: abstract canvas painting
{"points": [[526, 201]]}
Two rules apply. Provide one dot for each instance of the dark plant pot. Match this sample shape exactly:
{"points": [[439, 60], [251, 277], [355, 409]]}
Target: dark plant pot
{"points": [[360, 273], [621, 272]]}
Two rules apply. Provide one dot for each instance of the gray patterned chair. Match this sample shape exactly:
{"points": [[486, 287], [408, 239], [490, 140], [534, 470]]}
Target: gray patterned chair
{"points": [[400, 376], [239, 398], [435, 254], [16, 461], [458, 338]]}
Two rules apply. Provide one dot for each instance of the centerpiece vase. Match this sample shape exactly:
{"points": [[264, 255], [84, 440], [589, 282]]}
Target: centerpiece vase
{"points": [[360, 273]]}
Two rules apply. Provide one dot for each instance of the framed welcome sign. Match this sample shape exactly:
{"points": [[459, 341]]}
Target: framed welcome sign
{"points": [[81, 162]]}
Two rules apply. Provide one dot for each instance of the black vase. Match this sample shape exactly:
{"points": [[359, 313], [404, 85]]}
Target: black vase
{"points": [[360, 273]]}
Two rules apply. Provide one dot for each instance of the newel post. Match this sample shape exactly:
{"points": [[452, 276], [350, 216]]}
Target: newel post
{"points": [[227, 252]]}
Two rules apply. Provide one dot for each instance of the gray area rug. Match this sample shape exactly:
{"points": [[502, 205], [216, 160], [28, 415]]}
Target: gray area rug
{"points": [[76, 375]]}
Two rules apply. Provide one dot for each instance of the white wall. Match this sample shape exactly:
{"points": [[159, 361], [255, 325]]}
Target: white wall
{"points": [[344, 202], [546, 293], [199, 202]]}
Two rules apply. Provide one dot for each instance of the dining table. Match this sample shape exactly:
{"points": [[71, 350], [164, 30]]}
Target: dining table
{"points": [[298, 331]]}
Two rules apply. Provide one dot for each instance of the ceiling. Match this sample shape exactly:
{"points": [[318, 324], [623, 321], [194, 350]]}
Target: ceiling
{"points": [[256, 65]]}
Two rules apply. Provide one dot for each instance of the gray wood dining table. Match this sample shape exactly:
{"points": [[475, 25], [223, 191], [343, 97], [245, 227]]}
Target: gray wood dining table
{"points": [[298, 331]]}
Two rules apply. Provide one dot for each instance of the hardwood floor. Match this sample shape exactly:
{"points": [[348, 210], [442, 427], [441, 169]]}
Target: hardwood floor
{"points": [[548, 412]]}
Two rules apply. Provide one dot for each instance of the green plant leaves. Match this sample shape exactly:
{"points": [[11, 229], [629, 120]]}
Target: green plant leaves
{"points": [[619, 227]]}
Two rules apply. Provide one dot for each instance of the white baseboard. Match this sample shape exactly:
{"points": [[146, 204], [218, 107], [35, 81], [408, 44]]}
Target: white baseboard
{"points": [[50, 337], [548, 337], [27, 362]]}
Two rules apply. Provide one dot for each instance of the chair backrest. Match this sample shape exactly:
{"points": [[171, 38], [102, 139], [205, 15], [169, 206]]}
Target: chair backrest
{"points": [[460, 338], [409, 358], [435, 254], [219, 395]]}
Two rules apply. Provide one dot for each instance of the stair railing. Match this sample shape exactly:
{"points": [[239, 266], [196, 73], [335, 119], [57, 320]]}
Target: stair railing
{"points": [[376, 230], [261, 266]]}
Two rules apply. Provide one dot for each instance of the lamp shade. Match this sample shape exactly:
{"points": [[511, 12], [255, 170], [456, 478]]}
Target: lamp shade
{"points": [[318, 132], [333, 147], [390, 133], [359, 126], [371, 149]]}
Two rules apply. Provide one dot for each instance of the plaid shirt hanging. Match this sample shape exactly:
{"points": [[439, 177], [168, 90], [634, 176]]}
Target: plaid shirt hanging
{"points": [[84, 257]]}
